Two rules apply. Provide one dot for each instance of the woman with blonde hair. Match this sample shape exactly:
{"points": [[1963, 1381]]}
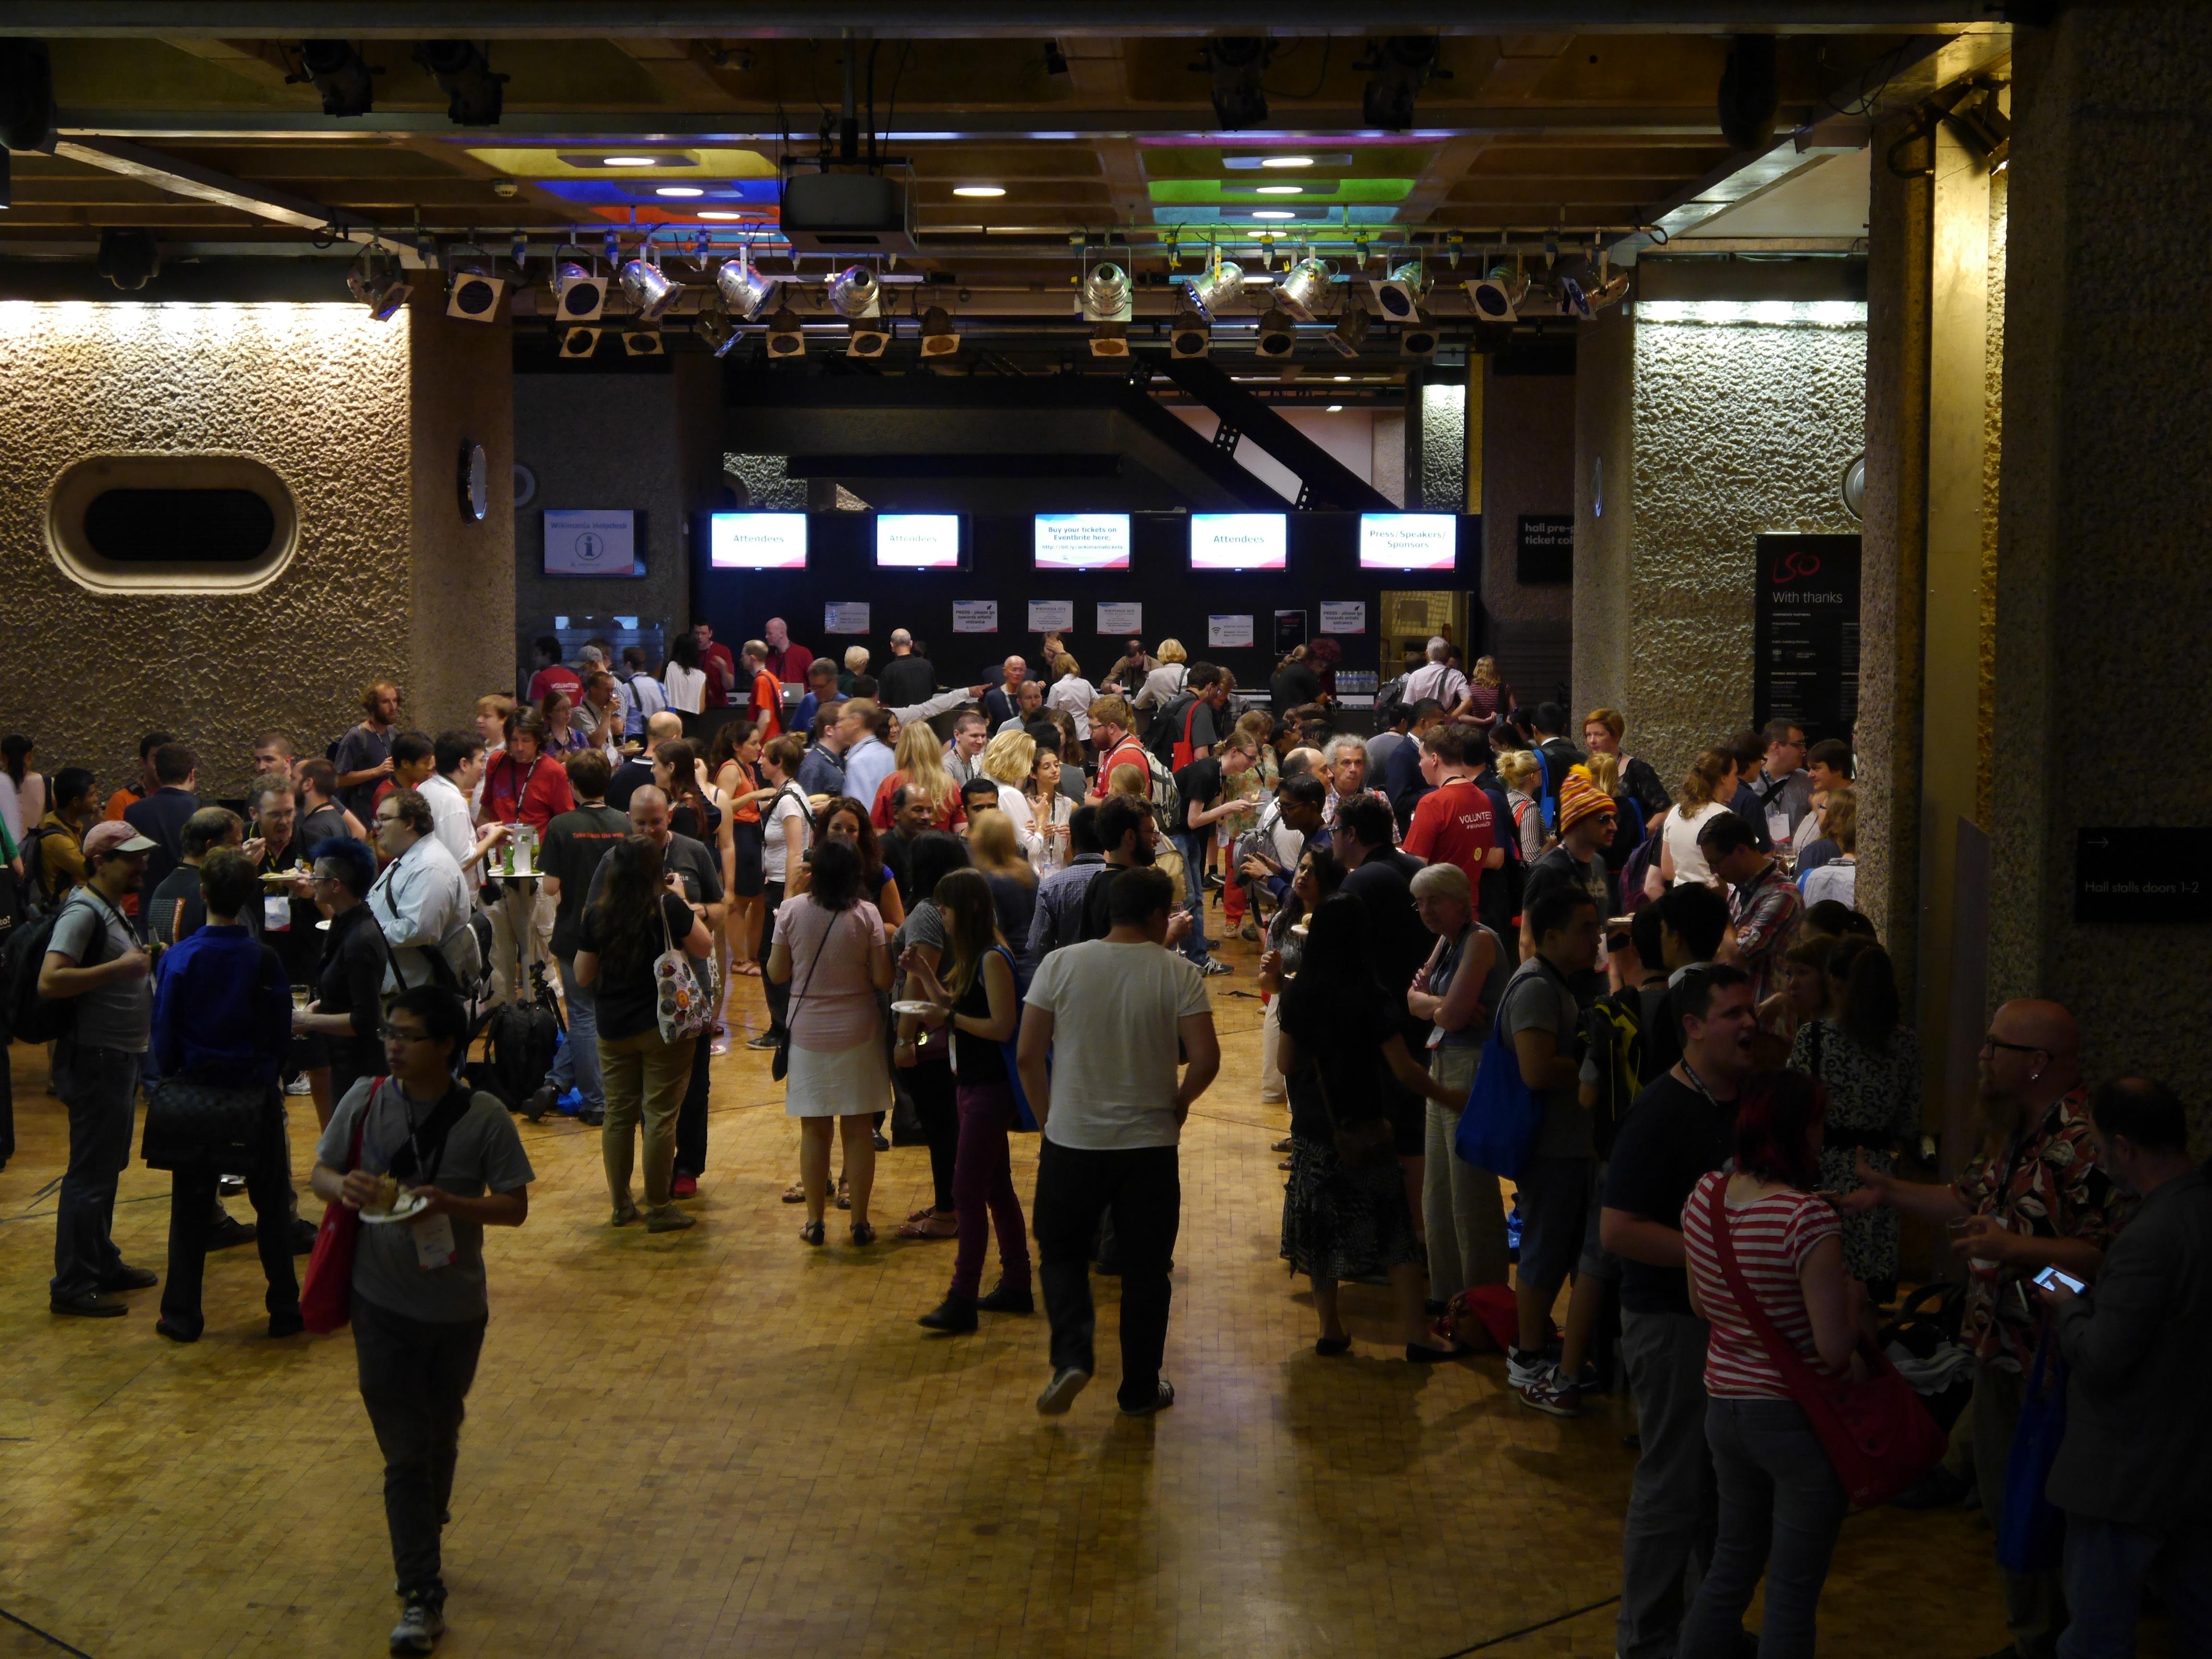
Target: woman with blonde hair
{"points": [[1707, 788], [978, 998], [1487, 696], [1523, 777], [1838, 877], [1007, 760], [921, 772], [993, 850], [1166, 683], [1072, 694]]}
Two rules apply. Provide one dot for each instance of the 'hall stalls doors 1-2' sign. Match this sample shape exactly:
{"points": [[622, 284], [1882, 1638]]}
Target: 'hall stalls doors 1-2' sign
{"points": [[1806, 633]]}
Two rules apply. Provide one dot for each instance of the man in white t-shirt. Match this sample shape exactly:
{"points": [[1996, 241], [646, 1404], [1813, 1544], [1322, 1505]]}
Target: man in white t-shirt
{"points": [[1109, 1015], [1436, 678]]}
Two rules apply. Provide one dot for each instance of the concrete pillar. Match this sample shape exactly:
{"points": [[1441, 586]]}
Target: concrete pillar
{"points": [[1528, 467], [2105, 586], [1435, 469]]}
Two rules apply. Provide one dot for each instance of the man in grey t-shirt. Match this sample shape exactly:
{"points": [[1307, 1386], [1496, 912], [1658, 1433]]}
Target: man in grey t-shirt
{"points": [[419, 1304], [1541, 1018], [94, 960]]}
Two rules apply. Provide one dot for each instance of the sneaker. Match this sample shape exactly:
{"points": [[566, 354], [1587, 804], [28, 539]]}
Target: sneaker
{"points": [[765, 1040], [1005, 1299], [230, 1186], [882, 1144], [1060, 1394], [1162, 1397], [422, 1622], [684, 1186], [298, 1086], [1212, 967], [540, 1102], [1523, 1368], [667, 1218], [1550, 1395]]}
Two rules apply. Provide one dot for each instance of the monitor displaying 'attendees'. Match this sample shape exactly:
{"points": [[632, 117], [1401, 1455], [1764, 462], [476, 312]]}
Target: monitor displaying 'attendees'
{"points": [[918, 541], [1082, 541], [1238, 541], [1408, 541], [757, 541]]}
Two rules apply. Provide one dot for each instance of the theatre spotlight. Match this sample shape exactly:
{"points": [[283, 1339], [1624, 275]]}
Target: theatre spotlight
{"points": [[1239, 63], [340, 74], [1489, 300], [1349, 337], [743, 289], [1418, 338], [1300, 292], [578, 296], [714, 327], [1188, 336], [378, 282], [853, 293], [1106, 296], [1221, 283], [786, 337], [1278, 334], [1109, 340], [1397, 296], [938, 339], [27, 95], [648, 288], [578, 341], [866, 338], [473, 293], [127, 257], [1402, 65], [464, 75], [1750, 92], [643, 342]]}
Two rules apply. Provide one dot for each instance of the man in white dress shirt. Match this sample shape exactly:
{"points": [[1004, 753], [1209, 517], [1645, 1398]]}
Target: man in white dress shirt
{"points": [[422, 897]]}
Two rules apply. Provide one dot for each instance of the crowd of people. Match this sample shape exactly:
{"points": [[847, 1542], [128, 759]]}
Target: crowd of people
{"points": [[986, 911]]}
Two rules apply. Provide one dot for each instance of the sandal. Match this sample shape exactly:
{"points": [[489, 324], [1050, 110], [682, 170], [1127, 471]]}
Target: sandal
{"points": [[843, 1194], [927, 1223], [795, 1193], [863, 1233], [811, 1233], [749, 969]]}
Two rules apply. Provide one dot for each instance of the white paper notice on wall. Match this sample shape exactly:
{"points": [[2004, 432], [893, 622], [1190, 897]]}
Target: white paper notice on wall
{"points": [[974, 616], [1047, 615], [1344, 616], [592, 543], [1229, 631], [1121, 618], [850, 616]]}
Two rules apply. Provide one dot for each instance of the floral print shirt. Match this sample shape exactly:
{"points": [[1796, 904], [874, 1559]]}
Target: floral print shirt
{"points": [[2047, 1184]]}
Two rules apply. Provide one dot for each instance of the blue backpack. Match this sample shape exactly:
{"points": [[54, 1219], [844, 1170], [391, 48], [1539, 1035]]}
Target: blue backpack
{"points": [[1498, 1127]]}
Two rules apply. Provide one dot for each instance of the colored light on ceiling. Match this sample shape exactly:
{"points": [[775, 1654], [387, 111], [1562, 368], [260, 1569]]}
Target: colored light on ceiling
{"points": [[628, 161], [712, 213], [1281, 189], [1287, 161], [1273, 213], [979, 189], [679, 190]]}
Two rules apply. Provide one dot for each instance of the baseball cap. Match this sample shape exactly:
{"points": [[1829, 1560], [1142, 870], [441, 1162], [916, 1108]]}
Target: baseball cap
{"points": [[114, 835]]}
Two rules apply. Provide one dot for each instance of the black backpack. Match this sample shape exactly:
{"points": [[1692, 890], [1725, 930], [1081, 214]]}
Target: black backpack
{"points": [[28, 1017], [519, 1040]]}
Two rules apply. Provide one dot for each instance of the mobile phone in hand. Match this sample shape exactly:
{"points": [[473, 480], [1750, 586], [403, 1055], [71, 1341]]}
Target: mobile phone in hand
{"points": [[2050, 1279]]}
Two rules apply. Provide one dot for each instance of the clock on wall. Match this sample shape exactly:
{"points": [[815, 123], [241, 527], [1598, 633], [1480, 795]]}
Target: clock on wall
{"points": [[1853, 487], [476, 482]]}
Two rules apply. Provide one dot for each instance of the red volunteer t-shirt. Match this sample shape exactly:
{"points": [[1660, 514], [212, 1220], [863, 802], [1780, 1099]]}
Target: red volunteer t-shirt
{"points": [[1454, 824], [1127, 753], [559, 677], [717, 660]]}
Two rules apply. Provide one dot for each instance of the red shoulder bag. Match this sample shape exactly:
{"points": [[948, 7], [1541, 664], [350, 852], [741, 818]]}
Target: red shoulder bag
{"points": [[326, 1294]]}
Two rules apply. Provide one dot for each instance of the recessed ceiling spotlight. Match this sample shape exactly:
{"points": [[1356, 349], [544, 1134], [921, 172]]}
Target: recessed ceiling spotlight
{"points": [[1280, 190], [678, 189], [1287, 161], [627, 161], [1273, 213], [716, 213], [979, 189], [1335, 409], [1343, 377]]}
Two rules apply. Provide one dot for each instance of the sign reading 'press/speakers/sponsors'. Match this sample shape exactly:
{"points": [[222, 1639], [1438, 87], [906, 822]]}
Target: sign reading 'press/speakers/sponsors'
{"points": [[1805, 666]]}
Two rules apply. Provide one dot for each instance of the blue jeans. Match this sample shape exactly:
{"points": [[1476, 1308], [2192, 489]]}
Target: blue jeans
{"points": [[100, 1088], [2106, 1566], [1193, 843], [1781, 1508], [577, 1064]]}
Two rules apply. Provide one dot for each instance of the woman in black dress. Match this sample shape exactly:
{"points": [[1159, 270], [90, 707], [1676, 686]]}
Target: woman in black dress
{"points": [[1344, 1211]]}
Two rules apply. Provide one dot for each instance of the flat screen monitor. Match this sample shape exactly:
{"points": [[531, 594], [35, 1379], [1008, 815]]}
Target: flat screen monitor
{"points": [[918, 541], [1082, 541], [1408, 541], [1238, 541], [757, 541], [585, 542]]}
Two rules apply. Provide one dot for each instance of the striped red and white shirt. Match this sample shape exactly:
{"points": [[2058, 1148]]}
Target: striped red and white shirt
{"points": [[1772, 1237]]}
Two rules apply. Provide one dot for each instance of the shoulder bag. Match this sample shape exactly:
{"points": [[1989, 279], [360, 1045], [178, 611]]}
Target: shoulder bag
{"points": [[326, 1293], [2032, 1530], [779, 1067], [683, 992], [1878, 1436], [1498, 1124], [191, 1125]]}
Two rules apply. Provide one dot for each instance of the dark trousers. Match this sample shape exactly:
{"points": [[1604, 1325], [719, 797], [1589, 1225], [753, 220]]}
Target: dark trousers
{"points": [[2107, 1564], [100, 1088], [192, 1210], [691, 1117], [1144, 1187], [415, 1376], [1781, 1507], [983, 1190], [779, 996], [936, 1102]]}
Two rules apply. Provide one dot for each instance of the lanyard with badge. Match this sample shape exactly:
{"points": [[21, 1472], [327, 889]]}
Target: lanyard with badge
{"points": [[433, 1234]]}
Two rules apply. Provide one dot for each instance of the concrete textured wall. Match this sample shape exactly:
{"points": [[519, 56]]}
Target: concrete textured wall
{"points": [[2105, 496], [1443, 446], [1992, 472], [1743, 418], [319, 394]]}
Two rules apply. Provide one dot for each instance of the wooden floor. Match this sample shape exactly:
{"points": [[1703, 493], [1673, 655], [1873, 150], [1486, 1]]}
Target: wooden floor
{"points": [[723, 1441]]}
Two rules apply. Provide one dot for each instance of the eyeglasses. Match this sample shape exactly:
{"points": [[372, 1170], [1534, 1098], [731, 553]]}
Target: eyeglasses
{"points": [[393, 1034], [2017, 1047]]}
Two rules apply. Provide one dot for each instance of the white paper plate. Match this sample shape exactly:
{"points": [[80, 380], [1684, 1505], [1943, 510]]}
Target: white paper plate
{"points": [[914, 1007], [409, 1206]]}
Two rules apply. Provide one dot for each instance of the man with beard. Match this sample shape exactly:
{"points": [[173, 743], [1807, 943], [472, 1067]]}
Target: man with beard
{"points": [[2035, 1198], [1678, 1129]]}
